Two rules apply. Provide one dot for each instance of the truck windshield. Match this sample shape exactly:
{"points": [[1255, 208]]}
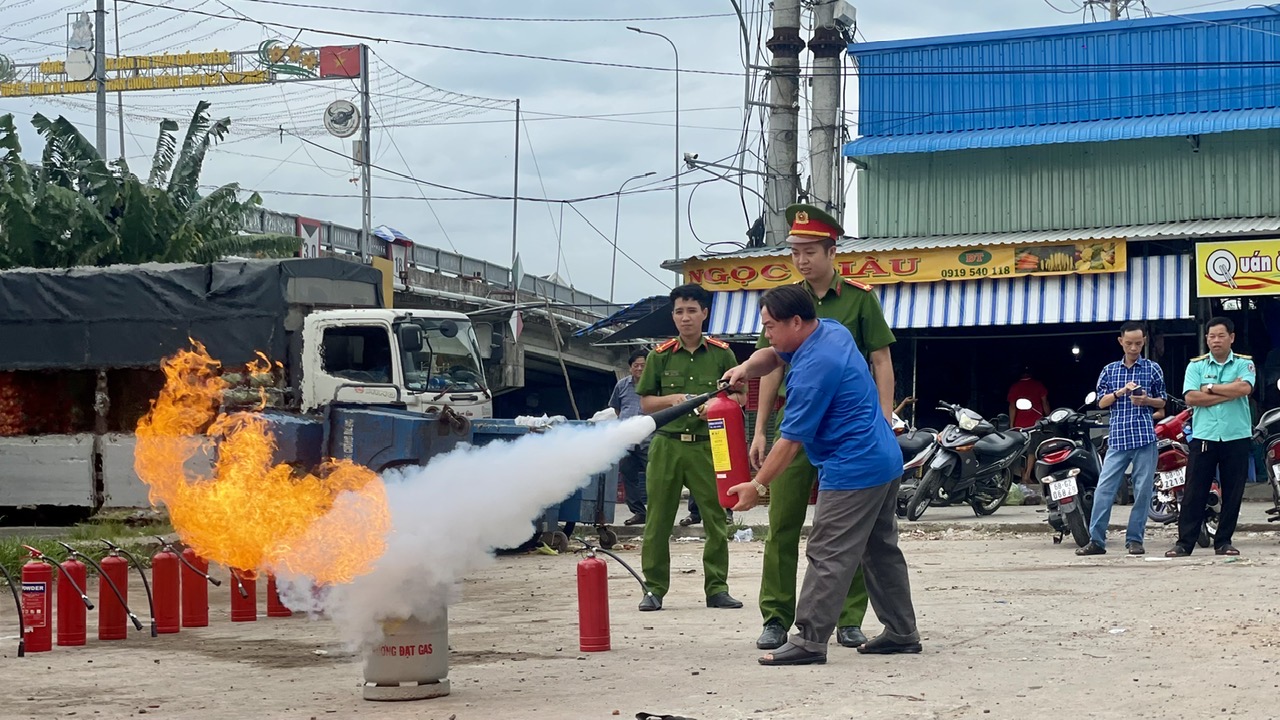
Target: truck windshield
{"points": [[449, 361]]}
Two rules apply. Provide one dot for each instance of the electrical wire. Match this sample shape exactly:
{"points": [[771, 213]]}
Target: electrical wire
{"points": [[621, 252], [402, 13]]}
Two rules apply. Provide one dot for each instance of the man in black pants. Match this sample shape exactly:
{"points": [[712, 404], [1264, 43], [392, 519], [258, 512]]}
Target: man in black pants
{"points": [[1218, 386]]}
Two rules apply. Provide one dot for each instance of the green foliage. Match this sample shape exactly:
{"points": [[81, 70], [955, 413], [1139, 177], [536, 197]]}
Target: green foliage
{"points": [[74, 208]]}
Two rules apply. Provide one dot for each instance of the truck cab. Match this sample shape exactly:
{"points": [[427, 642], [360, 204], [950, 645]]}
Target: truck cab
{"points": [[425, 359]]}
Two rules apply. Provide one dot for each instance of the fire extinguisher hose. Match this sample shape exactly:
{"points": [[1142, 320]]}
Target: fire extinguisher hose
{"points": [[198, 571], [72, 552], [634, 574], [151, 605], [74, 585], [22, 624]]}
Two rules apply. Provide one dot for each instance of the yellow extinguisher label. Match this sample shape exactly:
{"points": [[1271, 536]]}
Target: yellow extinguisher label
{"points": [[719, 445]]}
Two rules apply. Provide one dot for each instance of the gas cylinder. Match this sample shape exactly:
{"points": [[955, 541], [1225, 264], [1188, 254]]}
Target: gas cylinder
{"points": [[113, 619], [729, 456], [167, 590], [37, 605], [275, 608], [72, 620], [593, 604], [244, 606], [195, 590]]}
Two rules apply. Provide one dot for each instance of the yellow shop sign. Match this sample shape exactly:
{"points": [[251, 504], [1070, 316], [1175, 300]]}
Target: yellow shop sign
{"points": [[1240, 267], [927, 265]]}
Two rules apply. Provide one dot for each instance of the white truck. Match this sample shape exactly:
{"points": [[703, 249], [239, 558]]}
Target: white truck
{"points": [[79, 364]]}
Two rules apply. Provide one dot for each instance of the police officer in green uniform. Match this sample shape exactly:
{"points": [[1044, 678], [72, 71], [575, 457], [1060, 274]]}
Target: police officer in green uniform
{"points": [[813, 238], [1217, 386], [680, 452]]}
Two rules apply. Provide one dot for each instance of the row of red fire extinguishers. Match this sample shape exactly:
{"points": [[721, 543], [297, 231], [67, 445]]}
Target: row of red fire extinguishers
{"points": [[177, 596]]}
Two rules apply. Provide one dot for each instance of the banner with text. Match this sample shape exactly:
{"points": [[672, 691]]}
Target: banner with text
{"points": [[926, 265], [1240, 267]]}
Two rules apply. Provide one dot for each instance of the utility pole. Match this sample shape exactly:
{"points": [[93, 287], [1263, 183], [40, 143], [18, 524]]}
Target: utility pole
{"points": [[115, 16], [827, 46], [515, 199], [782, 183], [1114, 9], [100, 73], [366, 157]]}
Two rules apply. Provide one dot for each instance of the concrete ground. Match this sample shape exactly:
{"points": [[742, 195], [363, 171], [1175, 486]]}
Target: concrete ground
{"points": [[1013, 626]]}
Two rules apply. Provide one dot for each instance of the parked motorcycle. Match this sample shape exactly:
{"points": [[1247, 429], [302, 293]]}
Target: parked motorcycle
{"points": [[1171, 464], [971, 463], [917, 447], [1173, 438], [1068, 464], [1267, 434]]}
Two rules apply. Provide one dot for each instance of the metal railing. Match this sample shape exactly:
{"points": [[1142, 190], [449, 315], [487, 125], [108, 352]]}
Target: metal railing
{"points": [[346, 239]]}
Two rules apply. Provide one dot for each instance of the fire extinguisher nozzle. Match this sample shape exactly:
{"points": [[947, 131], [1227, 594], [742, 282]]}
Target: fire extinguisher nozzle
{"points": [[153, 629], [216, 582], [87, 602], [22, 648], [137, 624]]}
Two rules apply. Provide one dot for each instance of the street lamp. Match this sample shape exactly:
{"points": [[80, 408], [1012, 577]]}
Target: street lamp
{"points": [[677, 178], [613, 271]]}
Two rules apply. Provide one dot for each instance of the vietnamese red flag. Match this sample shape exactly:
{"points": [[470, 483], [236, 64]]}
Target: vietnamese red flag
{"points": [[340, 61]]}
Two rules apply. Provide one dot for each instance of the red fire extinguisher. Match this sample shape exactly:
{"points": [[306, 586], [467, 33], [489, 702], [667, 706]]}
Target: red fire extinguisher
{"points": [[275, 608], [195, 593], [593, 604], [244, 597], [728, 432], [113, 611], [167, 592], [37, 604]]}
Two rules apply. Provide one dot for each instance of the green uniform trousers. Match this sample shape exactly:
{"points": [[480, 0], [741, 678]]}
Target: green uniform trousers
{"points": [[674, 464], [788, 501]]}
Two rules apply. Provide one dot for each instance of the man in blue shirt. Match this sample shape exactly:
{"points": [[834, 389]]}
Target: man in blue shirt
{"points": [[1134, 389], [626, 403], [1217, 386], [833, 410]]}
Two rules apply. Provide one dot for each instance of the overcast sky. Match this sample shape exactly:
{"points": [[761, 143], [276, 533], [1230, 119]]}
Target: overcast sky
{"points": [[442, 116]]}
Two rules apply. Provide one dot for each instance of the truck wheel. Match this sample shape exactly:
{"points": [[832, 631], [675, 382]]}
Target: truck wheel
{"points": [[923, 495], [1079, 528]]}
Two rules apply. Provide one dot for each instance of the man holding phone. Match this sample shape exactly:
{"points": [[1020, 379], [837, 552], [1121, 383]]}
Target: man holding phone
{"points": [[1134, 389]]}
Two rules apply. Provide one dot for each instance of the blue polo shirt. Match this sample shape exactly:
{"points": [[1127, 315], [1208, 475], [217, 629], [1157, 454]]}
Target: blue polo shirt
{"points": [[833, 409], [1230, 420]]}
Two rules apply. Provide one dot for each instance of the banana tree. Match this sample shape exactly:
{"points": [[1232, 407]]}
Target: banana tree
{"points": [[74, 208]]}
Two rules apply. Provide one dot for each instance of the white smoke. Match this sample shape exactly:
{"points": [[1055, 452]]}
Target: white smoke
{"points": [[448, 518]]}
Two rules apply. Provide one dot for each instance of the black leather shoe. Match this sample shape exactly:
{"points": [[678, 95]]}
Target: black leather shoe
{"points": [[1092, 548], [724, 601], [1135, 548], [773, 637], [850, 636], [690, 520], [636, 519], [650, 603]]}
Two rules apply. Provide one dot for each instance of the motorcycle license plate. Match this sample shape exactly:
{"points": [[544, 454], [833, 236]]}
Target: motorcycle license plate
{"points": [[1063, 489], [1173, 479]]}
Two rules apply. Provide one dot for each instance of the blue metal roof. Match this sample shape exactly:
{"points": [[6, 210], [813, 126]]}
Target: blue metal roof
{"points": [[1096, 131], [1074, 74]]}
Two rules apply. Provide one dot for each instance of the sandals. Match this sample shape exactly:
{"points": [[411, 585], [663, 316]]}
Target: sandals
{"points": [[881, 645], [793, 655], [1226, 550]]}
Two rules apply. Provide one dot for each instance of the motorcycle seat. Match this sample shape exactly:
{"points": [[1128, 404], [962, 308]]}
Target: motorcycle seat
{"points": [[1000, 444]]}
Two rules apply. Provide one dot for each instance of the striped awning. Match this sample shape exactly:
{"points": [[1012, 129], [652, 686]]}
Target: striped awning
{"points": [[1153, 288]]}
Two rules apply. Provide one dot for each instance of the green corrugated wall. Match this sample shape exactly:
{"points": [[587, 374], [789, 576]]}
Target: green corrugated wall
{"points": [[1079, 185]]}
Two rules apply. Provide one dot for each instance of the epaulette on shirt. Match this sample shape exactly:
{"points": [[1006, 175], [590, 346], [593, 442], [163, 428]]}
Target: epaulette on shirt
{"points": [[1244, 357], [724, 345], [673, 342], [855, 283], [1200, 357]]}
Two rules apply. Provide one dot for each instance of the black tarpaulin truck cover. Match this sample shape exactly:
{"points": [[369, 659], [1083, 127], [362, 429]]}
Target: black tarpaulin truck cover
{"points": [[133, 316]]}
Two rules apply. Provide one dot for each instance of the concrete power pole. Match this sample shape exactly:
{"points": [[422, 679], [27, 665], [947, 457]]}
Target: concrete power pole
{"points": [[827, 45], [781, 181], [100, 74], [1115, 9]]}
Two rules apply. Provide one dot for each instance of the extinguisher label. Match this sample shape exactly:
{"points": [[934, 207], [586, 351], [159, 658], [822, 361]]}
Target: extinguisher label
{"points": [[719, 445], [33, 604]]}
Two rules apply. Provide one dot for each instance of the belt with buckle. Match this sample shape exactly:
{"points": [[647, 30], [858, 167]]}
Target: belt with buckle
{"points": [[684, 437]]}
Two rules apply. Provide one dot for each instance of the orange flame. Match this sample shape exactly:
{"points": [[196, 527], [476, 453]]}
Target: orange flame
{"points": [[253, 515]]}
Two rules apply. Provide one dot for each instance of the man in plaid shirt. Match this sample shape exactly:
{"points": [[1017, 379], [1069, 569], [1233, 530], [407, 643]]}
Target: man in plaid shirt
{"points": [[1134, 389]]}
